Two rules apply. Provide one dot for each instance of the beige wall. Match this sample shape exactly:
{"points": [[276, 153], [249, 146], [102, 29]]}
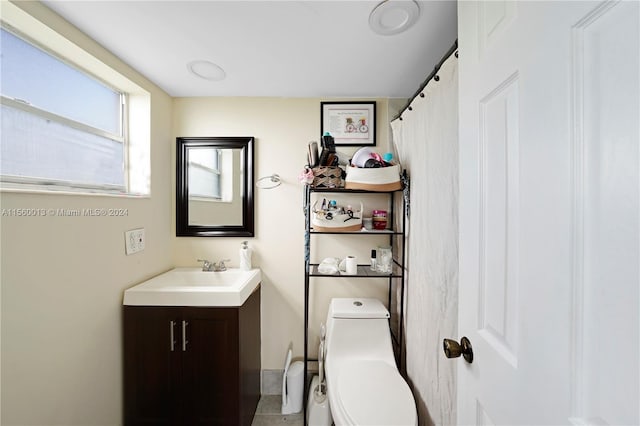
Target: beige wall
{"points": [[62, 280], [282, 128]]}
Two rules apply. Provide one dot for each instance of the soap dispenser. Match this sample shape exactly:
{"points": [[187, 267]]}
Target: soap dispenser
{"points": [[245, 256]]}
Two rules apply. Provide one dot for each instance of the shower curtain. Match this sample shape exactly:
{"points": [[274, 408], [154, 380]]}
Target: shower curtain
{"points": [[426, 142]]}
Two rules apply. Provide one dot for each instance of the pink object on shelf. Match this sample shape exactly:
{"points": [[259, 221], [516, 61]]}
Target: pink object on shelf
{"points": [[379, 219]]}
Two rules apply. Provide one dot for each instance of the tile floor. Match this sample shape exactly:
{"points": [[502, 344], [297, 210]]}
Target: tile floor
{"points": [[268, 413]]}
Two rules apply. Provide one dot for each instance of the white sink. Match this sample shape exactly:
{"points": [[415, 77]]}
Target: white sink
{"points": [[193, 287]]}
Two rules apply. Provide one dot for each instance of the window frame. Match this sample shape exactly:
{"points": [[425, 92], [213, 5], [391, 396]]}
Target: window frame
{"points": [[13, 182]]}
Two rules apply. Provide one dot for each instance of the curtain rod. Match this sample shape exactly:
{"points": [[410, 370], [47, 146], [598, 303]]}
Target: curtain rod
{"points": [[431, 76]]}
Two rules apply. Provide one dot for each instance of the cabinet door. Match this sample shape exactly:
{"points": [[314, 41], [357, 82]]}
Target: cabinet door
{"points": [[150, 365], [210, 366]]}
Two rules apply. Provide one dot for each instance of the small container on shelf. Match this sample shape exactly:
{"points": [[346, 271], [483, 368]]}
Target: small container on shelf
{"points": [[379, 219], [384, 259], [374, 265]]}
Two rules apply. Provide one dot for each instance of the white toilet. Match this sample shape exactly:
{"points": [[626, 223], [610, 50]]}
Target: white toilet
{"points": [[364, 385]]}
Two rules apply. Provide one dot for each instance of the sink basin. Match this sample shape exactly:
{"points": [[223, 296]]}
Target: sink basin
{"points": [[193, 287]]}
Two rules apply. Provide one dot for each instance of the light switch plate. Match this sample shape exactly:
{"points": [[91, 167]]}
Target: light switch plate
{"points": [[134, 241]]}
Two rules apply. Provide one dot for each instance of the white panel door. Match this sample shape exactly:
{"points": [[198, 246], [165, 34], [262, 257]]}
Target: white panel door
{"points": [[549, 212]]}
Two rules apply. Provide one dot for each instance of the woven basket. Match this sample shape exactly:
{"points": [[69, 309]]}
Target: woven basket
{"points": [[327, 177]]}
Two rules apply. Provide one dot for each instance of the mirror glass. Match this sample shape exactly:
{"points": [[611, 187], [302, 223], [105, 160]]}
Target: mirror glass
{"points": [[214, 186]]}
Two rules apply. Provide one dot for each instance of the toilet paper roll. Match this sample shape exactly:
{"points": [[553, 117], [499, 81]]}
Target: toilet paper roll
{"points": [[351, 265]]}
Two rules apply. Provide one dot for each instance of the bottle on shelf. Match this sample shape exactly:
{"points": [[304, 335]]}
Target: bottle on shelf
{"points": [[374, 265]]}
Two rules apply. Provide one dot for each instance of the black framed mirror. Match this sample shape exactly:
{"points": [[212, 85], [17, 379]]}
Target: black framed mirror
{"points": [[214, 187]]}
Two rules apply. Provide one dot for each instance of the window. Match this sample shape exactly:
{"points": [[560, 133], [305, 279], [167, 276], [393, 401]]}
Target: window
{"points": [[60, 125], [204, 173]]}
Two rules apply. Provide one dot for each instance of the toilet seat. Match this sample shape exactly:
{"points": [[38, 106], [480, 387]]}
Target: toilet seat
{"points": [[389, 400]]}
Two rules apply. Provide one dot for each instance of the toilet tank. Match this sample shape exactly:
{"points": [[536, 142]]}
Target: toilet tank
{"points": [[358, 328], [364, 308]]}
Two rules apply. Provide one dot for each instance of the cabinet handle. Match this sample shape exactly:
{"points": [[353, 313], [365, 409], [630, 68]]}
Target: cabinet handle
{"points": [[184, 336], [172, 339]]}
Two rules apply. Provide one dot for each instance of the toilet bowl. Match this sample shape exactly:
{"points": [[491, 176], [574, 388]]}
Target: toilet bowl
{"points": [[364, 385]]}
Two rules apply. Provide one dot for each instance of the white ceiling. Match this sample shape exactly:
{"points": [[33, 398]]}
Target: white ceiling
{"points": [[269, 48]]}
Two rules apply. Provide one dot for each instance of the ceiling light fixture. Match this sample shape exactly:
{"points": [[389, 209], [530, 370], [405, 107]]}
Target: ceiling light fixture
{"points": [[394, 16], [207, 70]]}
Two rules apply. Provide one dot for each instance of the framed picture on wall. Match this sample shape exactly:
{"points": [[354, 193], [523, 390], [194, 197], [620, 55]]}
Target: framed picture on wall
{"points": [[350, 123]]}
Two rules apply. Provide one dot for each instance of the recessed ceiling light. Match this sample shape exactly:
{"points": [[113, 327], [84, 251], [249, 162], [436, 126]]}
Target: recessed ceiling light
{"points": [[207, 70], [393, 16]]}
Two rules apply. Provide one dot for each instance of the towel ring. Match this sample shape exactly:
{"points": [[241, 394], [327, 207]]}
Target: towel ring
{"points": [[273, 181]]}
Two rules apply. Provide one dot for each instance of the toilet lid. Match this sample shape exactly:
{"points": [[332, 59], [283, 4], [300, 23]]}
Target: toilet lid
{"points": [[374, 393]]}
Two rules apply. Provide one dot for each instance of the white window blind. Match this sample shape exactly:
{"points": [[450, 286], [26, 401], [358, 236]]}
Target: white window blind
{"points": [[60, 125], [204, 173]]}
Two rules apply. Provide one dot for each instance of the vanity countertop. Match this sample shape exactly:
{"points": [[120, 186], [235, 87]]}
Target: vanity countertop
{"points": [[194, 287]]}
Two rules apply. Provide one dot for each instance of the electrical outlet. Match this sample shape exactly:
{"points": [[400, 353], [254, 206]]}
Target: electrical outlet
{"points": [[134, 241]]}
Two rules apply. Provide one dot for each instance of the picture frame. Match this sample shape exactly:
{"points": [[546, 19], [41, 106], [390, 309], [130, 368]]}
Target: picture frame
{"points": [[350, 123]]}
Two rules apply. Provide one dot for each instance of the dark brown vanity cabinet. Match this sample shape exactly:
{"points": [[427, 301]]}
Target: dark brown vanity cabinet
{"points": [[192, 365]]}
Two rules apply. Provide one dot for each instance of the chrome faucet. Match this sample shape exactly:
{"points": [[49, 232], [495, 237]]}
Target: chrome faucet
{"points": [[220, 266], [208, 266]]}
